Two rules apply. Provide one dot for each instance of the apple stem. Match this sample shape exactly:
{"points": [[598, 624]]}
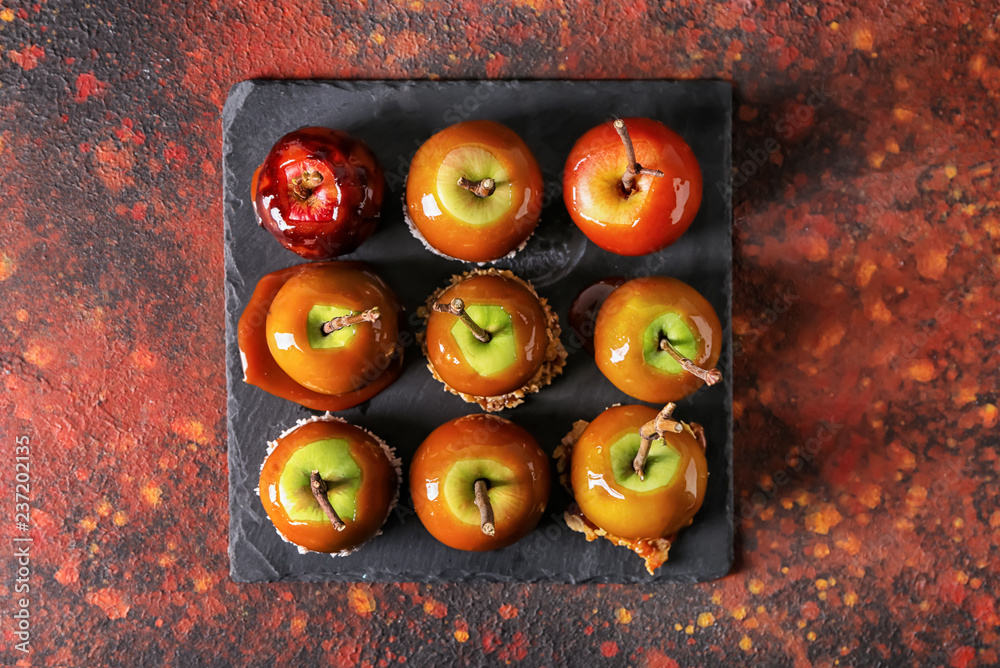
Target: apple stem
{"points": [[457, 308], [331, 326], [633, 168], [656, 428], [710, 376], [319, 490], [485, 509], [304, 184], [480, 189]]}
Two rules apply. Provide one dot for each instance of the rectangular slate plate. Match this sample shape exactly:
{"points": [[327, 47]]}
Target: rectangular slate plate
{"points": [[394, 118]]}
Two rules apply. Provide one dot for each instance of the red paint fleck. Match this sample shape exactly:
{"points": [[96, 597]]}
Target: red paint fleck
{"points": [[589, 630], [28, 57], [126, 132], [86, 85], [516, 650], [139, 211], [609, 648], [114, 165], [68, 574], [361, 600], [494, 67], [983, 611], [110, 601], [184, 626], [952, 591], [175, 153], [508, 611], [962, 657], [810, 610], [491, 641], [657, 659], [435, 608], [348, 654]]}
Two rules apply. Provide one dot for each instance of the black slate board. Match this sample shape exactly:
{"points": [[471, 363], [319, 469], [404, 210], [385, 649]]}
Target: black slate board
{"points": [[394, 118]]}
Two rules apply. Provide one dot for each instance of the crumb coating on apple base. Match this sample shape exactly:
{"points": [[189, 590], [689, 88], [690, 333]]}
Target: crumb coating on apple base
{"points": [[552, 365], [390, 453]]}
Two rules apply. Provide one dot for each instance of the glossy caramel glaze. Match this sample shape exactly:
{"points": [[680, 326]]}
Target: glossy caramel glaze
{"points": [[622, 321], [260, 368], [661, 208], [479, 436], [453, 237], [625, 512], [530, 333], [333, 370], [341, 215], [379, 484]]}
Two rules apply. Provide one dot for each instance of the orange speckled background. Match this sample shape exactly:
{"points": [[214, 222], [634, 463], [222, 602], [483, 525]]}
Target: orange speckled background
{"points": [[867, 318]]}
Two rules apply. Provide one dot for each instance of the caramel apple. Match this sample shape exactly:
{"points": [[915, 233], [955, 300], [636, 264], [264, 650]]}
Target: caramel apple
{"points": [[319, 192], [479, 482], [491, 339], [324, 335], [328, 486], [657, 339], [637, 476], [474, 192], [632, 185]]}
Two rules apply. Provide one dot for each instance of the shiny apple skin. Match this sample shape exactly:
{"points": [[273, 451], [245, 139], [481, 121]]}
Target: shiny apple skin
{"points": [[260, 368], [530, 334], [333, 370], [349, 210], [379, 484], [457, 239], [622, 321], [625, 512], [652, 217], [479, 436]]}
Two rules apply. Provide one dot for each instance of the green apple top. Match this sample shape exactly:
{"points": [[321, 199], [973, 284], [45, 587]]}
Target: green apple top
{"points": [[657, 339], [487, 335], [333, 327], [328, 485], [474, 192], [479, 482], [638, 474]]}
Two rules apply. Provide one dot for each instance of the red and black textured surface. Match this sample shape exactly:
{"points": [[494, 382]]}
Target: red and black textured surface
{"points": [[866, 315]]}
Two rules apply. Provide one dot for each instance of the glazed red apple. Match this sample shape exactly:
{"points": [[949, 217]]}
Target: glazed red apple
{"points": [[633, 186], [479, 483], [490, 338], [637, 476], [319, 192], [474, 192], [324, 335], [328, 486], [657, 339]]}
